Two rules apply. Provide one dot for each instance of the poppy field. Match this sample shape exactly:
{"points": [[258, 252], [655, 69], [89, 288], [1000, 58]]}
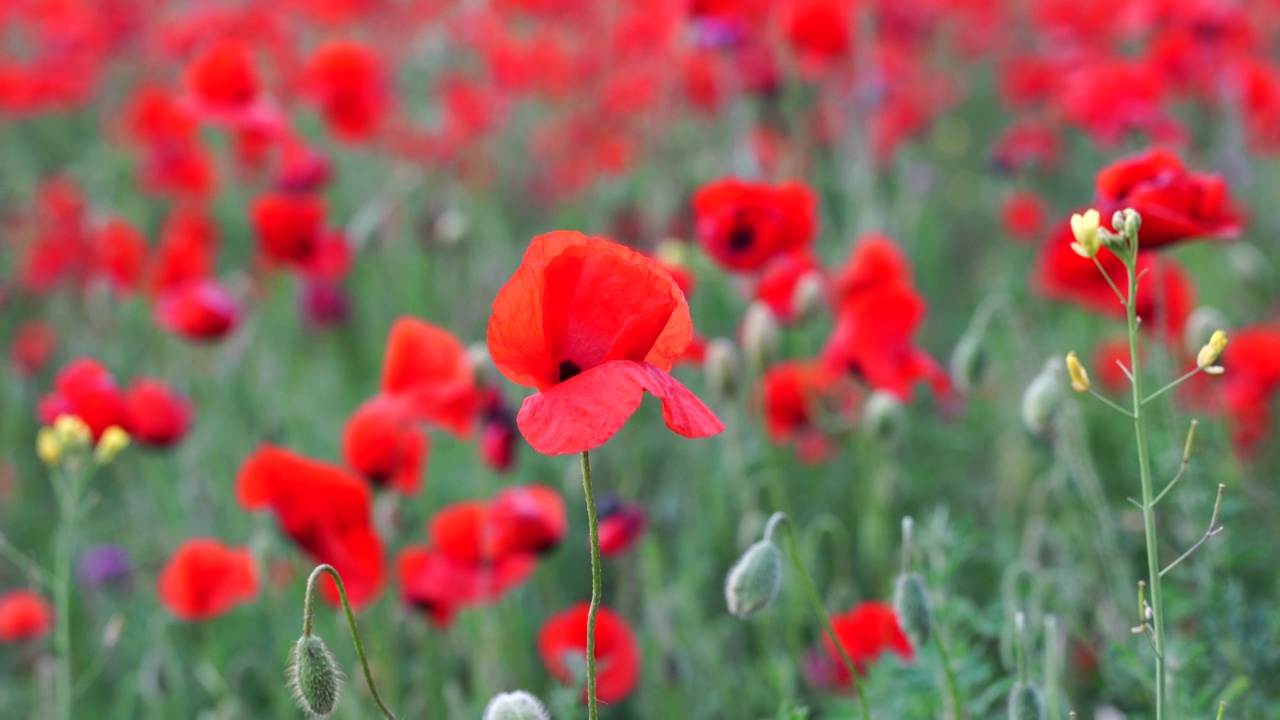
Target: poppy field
{"points": [[662, 360]]}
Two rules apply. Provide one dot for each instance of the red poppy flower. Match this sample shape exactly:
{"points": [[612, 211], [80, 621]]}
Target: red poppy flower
{"points": [[621, 525], [819, 32], [876, 262], [796, 396], [120, 254], [288, 227], [742, 225], [866, 632], [24, 615], [1248, 387], [205, 579], [199, 310], [527, 519], [497, 445], [187, 250], [440, 585], [592, 325], [1175, 204], [348, 83], [1023, 215], [324, 304], [430, 370], [326, 511], [156, 414], [86, 389], [562, 643], [302, 168], [382, 443], [223, 78], [1166, 296], [33, 345], [781, 281]]}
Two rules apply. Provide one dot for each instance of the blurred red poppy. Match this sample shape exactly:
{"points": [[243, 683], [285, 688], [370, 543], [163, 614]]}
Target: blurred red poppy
{"points": [[1249, 386], [497, 446], [87, 390], [621, 525], [187, 250], [440, 585], [796, 397], [349, 84], [33, 345], [288, 227], [1023, 215], [24, 615], [222, 83], [205, 579], [592, 325], [326, 511], [430, 370], [157, 415], [119, 255], [198, 310], [866, 632], [562, 643], [741, 225], [381, 441], [527, 519], [784, 278]]}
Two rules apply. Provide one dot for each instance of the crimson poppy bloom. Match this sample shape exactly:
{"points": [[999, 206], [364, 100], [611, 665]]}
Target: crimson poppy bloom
{"points": [[819, 32], [592, 325], [621, 525], [527, 519], [1023, 215], [33, 345], [157, 415], [1175, 203], [782, 280], [497, 446], [1248, 387], [119, 254], [87, 390], [440, 585], [562, 643], [187, 250], [382, 442], [323, 509], [24, 615], [430, 370], [205, 579], [199, 310], [795, 396], [741, 225], [866, 632], [288, 227], [222, 81], [348, 82]]}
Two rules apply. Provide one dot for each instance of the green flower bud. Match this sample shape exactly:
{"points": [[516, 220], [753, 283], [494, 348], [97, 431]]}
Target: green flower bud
{"points": [[722, 367], [761, 336], [969, 363], [314, 676], [1026, 702], [518, 705], [883, 417], [1041, 398], [754, 581], [911, 604]]}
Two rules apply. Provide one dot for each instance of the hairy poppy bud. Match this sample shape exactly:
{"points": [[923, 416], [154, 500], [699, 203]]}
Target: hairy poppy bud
{"points": [[722, 367], [518, 705], [1041, 399], [1079, 376], [314, 676], [911, 604], [1026, 702], [969, 362], [760, 335], [884, 417], [754, 581]]}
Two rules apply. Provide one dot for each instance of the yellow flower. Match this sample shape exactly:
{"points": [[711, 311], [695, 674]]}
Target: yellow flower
{"points": [[1212, 350], [1079, 376], [113, 440], [72, 432], [1085, 229], [48, 447]]}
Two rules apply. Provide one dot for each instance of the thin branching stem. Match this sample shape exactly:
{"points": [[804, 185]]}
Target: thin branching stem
{"points": [[1107, 276], [1214, 529], [1182, 469], [1110, 404], [1171, 385]]}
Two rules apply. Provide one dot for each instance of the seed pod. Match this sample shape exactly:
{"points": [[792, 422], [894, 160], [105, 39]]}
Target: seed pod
{"points": [[314, 676], [518, 705], [911, 604], [969, 363], [753, 583], [1026, 702]]}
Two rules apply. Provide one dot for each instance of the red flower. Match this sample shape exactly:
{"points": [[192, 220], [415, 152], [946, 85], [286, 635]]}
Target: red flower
{"points": [[621, 525], [32, 347], [1175, 204], [382, 443], [1023, 215], [527, 519], [818, 31], [782, 278], [430, 370], [223, 78], [120, 254], [866, 632], [348, 83], [741, 225], [326, 511], [188, 246], [497, 433], [592, 325], [440, 585], [795, 395], [199, 310], [563, 646], [24, 615], [205, 579], [289, 227], [156, 414], [1252, 360], [87, 390]]}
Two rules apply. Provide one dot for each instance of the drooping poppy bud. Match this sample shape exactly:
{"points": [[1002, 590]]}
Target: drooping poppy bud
{"points": [[314, 676], [754, 581]]}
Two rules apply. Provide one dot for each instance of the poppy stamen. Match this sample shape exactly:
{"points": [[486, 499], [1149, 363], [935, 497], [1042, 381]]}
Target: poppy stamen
{"points": [[568, 369]]}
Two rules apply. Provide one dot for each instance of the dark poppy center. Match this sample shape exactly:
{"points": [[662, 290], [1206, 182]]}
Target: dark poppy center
{"points": [[568, 369], [741, 237]]}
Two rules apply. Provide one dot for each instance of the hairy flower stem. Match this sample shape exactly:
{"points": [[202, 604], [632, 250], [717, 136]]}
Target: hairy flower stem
{"points": [[815, 600], [953, 687], [594, 525], [308, 610], [1148, 496], [66, 484]]}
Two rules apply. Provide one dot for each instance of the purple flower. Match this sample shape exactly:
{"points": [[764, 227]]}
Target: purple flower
{"points": [[104, 564]]}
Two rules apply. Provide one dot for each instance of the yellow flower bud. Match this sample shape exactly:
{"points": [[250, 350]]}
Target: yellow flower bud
{"points": [[113, 440], [1085, 229], [48, 447], [1212, 349], [1079, 376], [72, 432]]}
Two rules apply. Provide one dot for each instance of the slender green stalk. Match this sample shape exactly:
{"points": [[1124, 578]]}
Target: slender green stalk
{"points": [[594, 526], [815, 600], [67, 489], [1148, 496], [953, 687], [307, 611]]}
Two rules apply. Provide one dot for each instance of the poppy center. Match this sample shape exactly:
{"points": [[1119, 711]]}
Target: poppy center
{"points": [[569, 369], [741, 237]]}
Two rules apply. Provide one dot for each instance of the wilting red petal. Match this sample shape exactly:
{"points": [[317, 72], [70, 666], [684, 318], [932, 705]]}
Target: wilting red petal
{"points": [[204, 579], [586, 410], [564, 638]]}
